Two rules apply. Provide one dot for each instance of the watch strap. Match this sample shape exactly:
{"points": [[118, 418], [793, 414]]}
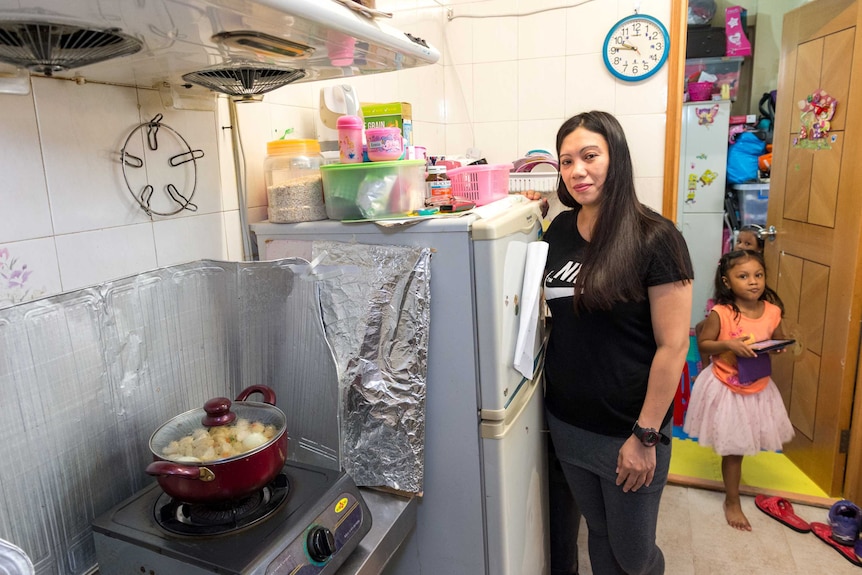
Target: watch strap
{"points": [[640, 432]]}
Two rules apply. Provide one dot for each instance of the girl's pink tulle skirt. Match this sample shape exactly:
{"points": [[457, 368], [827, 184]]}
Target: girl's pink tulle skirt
{"points": [[733, 423]]}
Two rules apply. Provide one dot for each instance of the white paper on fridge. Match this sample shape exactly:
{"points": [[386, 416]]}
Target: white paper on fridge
{"points": [[534, 271]]}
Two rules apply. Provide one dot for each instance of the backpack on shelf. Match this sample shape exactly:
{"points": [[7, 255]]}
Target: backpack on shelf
{"points": [[766, 121], [743, 156]]}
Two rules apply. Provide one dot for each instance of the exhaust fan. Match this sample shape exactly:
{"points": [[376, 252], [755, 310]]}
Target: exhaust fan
{"points": [[245, 81], [46, 47]]}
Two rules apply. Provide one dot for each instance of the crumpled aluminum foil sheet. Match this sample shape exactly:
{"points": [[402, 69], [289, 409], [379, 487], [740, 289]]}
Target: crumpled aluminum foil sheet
{"points": [[87, 376], [377, 311]]}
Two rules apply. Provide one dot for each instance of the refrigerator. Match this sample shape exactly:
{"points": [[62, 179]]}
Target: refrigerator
{"points": [[701, 193], [484, 508]]}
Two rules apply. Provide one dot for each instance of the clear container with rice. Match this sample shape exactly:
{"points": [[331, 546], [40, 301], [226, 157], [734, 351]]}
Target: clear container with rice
{"points": [[294, 187]]}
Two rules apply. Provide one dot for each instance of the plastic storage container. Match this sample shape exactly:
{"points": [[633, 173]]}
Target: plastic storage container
{"points": [[481, 184], [726, 70], [753, 200], [373, 189], [294, 187], [384, 144]]}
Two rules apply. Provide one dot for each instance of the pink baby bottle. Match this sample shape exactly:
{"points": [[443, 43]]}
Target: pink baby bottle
{"points": [[349, 139]]}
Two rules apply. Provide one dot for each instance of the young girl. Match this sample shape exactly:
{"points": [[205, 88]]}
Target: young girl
{"points": [[734, 417], [749, 238]]}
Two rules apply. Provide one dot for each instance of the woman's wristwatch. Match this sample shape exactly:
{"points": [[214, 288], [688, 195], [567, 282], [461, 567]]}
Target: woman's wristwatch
{"points": [[649, 436]]}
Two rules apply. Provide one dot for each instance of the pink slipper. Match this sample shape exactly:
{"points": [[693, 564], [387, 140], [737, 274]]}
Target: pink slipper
{"points": [[824, 533], [781, 510]]}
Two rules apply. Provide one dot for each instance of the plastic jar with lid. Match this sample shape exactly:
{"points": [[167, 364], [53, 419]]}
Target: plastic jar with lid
{"points": [[294, 188], [437, 184]]}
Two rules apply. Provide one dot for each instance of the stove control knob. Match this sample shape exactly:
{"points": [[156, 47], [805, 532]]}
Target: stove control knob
{"points": [[321, 543]]}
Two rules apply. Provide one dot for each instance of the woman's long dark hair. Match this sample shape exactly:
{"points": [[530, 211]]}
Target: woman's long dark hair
{"points": [[625, 229], [724, 295]]}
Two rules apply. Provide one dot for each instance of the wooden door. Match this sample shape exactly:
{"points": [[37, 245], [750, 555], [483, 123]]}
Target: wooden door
{"points": [[813, 263]]}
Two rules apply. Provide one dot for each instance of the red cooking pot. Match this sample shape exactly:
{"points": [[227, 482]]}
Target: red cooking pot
{"points": [[199, 478]]}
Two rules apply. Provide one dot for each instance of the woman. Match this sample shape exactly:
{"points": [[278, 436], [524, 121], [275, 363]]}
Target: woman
{"points": [[618, 285]]}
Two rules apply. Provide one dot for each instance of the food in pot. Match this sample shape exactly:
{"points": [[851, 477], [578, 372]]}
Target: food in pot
{"points": [[220, 442]]}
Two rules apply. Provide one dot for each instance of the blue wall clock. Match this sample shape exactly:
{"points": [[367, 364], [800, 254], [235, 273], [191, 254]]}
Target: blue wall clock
{"points": [[636, 47]]}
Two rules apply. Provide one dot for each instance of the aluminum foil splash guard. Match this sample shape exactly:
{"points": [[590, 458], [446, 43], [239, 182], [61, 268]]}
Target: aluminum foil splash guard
{"points": [[381, 351]]}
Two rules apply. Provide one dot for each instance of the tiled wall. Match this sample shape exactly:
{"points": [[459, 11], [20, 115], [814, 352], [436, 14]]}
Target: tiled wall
{"points": [[503, 86]]}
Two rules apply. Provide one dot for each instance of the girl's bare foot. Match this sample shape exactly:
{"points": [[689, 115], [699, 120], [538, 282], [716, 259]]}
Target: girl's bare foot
{"points": [[735, 517]]}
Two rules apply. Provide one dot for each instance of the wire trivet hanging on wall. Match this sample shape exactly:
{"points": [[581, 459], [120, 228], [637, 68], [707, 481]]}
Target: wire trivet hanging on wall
{"points": [[176, 198]]}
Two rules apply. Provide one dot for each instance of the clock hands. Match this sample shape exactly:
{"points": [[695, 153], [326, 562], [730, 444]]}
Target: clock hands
{"points": [[625, 46]]}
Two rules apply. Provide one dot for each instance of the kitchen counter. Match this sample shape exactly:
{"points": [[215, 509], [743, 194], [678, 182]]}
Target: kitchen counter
{"points": [[393, 518]]}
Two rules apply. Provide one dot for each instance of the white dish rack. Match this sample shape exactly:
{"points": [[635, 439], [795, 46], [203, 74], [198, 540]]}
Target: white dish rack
{"points": [[543, 182]]}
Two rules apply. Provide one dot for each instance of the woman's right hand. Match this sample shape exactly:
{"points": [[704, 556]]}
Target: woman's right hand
{"points": [[531, 195]]}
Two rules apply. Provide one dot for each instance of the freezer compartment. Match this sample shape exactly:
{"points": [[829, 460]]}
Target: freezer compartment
{"points": [[500, 248], [516, 495]]}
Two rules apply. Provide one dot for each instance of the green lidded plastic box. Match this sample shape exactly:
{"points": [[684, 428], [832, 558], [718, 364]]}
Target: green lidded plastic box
{"points": [[373, 189]]}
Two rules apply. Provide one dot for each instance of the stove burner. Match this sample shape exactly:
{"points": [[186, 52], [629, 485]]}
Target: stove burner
{"points": [[223, 516]]}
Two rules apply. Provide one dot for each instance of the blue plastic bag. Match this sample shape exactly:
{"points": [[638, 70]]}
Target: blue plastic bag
{"points": [[742, 158]]}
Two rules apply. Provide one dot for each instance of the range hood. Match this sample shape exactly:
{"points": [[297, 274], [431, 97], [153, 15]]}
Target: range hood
{"points": [[239, 47]]}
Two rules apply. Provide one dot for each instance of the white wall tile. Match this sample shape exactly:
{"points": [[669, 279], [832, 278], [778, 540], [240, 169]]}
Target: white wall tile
{"points": [[650, 192], [233, 237], [88, 258], [457, 43], [538, 135], [432, 137], [587, 25], [541, 35], [495, 92], [424, 88], [459, 138], [190, 239], [28, 270], [255, 128], [589, 86], [541, 88], [645, 97], [498, 141], [81, 141], [645, 135], [459, 93], [495, 38], [24, 208]]}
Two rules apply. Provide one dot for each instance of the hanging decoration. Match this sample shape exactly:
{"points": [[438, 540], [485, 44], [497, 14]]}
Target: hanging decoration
{"points": [[816, 112]]}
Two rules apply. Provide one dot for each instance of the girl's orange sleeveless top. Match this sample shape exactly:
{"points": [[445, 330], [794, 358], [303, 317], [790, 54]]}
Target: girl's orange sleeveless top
{"points": [[737, 325]]}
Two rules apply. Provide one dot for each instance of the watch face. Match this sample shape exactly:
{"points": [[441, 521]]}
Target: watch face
{"points": [[650, 437], [636, 48]]}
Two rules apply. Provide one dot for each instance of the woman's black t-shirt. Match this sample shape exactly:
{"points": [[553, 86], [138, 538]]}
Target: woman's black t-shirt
{"points": [[597, 362]]}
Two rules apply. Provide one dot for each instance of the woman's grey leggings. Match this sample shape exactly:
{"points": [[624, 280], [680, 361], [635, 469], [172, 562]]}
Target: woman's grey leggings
{"points": [[622, 526]]}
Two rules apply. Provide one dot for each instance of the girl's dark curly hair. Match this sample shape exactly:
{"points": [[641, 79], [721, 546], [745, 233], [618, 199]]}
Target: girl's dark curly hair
{"points": [[724, 295]]}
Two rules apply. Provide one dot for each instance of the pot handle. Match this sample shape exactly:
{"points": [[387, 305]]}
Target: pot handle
{"points": [[172, 469], [267, 392]]}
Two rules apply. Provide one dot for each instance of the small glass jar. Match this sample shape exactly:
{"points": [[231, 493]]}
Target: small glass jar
{"points": [[438, 186], [294, 188]]}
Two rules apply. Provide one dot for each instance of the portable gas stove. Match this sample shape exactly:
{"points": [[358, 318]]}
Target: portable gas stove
{"points": [[306, 521]]}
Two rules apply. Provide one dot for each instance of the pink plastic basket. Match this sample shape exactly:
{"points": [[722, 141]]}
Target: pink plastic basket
{"points": [[481, 184], [699, 91]]}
